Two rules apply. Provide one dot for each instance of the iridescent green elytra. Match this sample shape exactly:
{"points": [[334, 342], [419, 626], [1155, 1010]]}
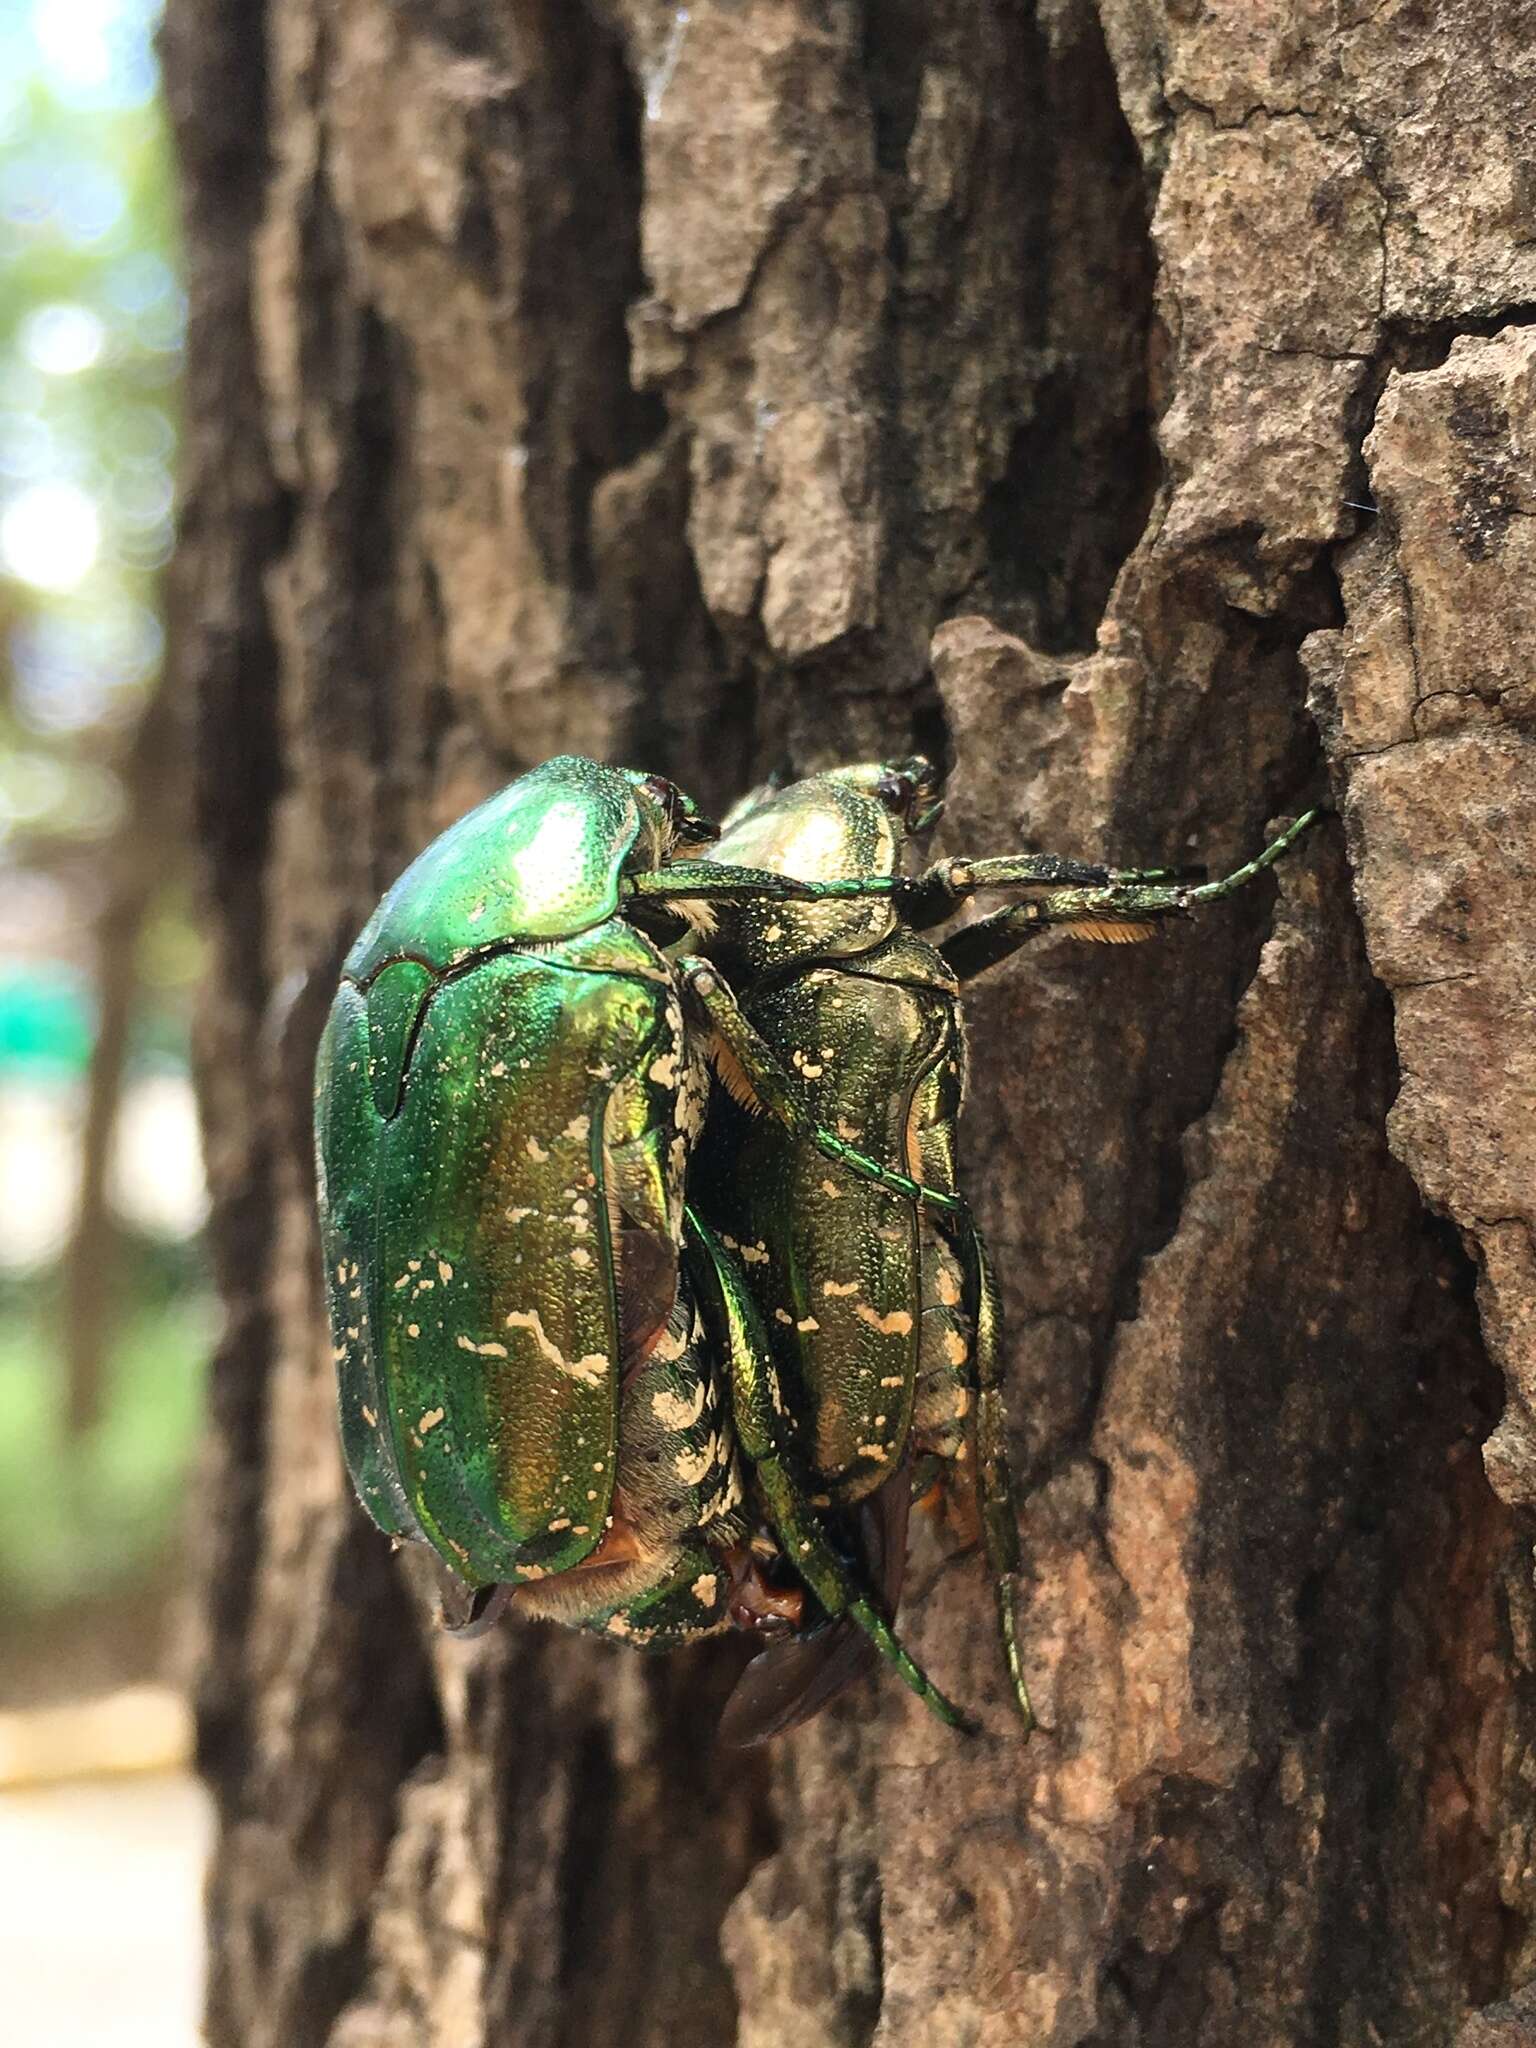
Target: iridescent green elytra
{"points": [[505, 1102]]}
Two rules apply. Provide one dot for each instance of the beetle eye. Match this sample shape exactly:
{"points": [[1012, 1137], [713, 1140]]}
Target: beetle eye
{"points": [[896, 792], [684, 825], [667, 794]]}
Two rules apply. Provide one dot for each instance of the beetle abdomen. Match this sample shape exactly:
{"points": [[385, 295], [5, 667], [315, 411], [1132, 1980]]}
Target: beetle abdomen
{"points": [[834, 1261]]}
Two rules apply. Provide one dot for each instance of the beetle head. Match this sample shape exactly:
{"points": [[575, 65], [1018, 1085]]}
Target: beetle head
{"points": [[673, 817], [911, 789]]}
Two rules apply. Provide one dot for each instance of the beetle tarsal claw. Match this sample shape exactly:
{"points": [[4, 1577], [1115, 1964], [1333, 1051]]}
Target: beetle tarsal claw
{"points": [[479, 1611]]}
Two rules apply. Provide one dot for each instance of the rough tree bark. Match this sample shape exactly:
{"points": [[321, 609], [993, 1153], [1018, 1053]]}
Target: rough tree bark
{"points": [[1071, 390]]}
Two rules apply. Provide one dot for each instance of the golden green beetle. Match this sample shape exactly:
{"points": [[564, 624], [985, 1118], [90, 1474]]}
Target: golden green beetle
{"points": [[877, 1296]]}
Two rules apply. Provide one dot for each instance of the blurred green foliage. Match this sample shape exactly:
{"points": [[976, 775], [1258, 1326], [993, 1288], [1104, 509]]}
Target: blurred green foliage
{"points": [[91, 318], [82, 1521]]}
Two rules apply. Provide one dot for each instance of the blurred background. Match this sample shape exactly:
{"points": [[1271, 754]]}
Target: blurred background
{"points": [[104, 1316]]}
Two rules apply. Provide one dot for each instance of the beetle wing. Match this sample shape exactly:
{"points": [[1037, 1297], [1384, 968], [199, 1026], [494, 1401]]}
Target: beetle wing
{"points": [[472, 1245], [834, 1260], [497, 1302], [794, 1679], [348, 1129]]}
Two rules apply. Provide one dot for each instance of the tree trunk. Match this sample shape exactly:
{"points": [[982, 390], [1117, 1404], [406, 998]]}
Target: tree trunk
{"points": [[1066, 391]]}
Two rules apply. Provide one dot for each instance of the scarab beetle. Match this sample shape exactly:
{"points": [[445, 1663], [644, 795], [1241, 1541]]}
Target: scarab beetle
{"points": [[880, 1305], [545, 1369], [553, 1371]]}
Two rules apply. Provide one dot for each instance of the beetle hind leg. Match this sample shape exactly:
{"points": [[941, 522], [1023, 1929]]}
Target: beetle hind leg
{"points": [[764, 1434], [994, 1481], [959, 1400]]}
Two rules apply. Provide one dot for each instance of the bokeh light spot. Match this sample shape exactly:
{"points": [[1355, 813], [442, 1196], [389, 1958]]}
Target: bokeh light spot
{"points": [[50, 536], [62, 340]]}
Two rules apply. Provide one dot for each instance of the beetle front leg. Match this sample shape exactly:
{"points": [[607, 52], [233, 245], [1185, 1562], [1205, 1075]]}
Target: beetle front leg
{"points": [[1117, 913], [940, 890], [926, 901], [705, 881], [1130, 892]]}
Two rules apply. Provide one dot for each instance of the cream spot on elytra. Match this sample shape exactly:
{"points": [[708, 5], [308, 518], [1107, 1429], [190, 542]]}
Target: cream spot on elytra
{"points": [[691, 1466], [897, 1324], [587, 1372]]}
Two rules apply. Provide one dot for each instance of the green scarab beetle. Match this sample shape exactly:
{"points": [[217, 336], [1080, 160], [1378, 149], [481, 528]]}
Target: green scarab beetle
{"points": [[505, 1098], [551, 1370], [879, 1302], [547, 1372]]}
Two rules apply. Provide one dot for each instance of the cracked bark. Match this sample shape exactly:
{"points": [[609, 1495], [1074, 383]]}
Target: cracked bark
{"points": [[799, 380]]}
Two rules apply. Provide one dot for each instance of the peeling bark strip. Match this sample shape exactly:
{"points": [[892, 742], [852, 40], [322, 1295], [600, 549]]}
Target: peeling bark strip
{"points": [[772, 380]]}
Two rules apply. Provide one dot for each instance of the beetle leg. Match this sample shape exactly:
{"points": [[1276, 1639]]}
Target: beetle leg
{"points": [[1117, 914], [751, 1070], [999, 1517], [464, 1615], [926, 901], [708, 881], [763, 1434], [1079, 889], [935, 894]]}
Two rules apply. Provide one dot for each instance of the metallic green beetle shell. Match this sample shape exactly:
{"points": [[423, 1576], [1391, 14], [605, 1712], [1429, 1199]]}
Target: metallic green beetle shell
{"points": [[470, 1245], [539, 860], [504, 1107], [847, 1274]]}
